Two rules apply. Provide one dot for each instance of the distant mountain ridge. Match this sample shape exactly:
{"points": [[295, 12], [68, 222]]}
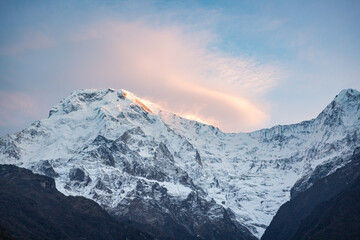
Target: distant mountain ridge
{"points": [[155, 168]]}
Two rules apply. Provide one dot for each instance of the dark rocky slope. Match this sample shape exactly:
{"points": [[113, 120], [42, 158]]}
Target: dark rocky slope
{"points": [[178, 222], [292, 214], [32, 208], [338, 218]]}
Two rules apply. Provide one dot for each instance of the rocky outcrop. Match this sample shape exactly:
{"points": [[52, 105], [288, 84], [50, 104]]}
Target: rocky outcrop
{"points": [[175, 218]]}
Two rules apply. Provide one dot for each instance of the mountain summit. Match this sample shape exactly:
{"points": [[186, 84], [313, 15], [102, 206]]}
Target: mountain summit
{"points": [[179, 178]]}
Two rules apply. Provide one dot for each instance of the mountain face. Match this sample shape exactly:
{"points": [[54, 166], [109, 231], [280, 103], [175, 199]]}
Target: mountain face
{"points": [[32, 208], [307, 213], [175, 176]]}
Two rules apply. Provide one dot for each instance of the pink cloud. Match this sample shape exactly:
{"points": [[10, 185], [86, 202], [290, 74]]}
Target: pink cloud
{"points": [[16, 108], [30, 41], [175, 69]]}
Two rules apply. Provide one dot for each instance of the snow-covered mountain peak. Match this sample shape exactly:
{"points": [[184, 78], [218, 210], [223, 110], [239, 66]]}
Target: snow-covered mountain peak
{"points": [[114, 147], [92, 98], [343, 111], [348, 96]]}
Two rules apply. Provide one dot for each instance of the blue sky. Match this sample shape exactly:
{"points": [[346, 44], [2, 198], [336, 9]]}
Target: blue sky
{"points": [[240, 65]]}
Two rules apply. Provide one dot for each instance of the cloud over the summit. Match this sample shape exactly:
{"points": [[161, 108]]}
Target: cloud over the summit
{"points": [[177, 70]]}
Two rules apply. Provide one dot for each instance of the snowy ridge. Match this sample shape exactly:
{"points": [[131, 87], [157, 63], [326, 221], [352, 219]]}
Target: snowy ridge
{"points": [[109, 145]]}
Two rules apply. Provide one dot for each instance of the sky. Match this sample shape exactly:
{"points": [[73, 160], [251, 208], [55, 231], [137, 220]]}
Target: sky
{"points": [[238, 65]]}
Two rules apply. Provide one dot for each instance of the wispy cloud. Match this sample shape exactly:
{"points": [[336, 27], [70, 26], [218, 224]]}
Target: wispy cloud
{"points": [[200, 59], [177, 70], [270, 24], [33, 40], [16, 108]]}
